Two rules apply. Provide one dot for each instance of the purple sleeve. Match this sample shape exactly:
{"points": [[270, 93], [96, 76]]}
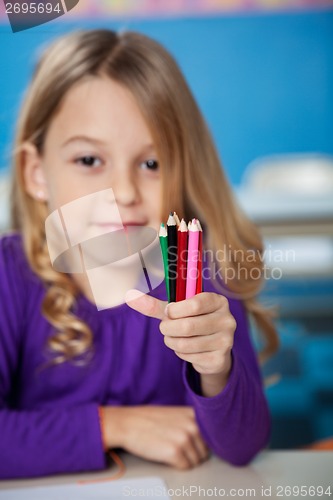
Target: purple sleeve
{"points": [[50, 441], [42, 441], [235, 423]]}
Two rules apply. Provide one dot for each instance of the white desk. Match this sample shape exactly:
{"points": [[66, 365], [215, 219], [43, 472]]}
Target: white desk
{"points": [[270, 470]]}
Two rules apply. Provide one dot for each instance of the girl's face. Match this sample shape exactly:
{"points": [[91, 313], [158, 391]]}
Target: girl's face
{"points": [[98, 140]]}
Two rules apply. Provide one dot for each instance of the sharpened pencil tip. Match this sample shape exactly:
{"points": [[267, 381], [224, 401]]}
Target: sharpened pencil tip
{"points": [[171, 220]]}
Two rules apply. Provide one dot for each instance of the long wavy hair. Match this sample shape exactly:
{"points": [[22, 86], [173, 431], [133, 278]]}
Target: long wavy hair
{"points": [[193, 180]]}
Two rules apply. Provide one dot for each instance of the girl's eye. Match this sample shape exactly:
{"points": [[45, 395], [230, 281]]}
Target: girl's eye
{"points": [[89, 161], [150, 165]]}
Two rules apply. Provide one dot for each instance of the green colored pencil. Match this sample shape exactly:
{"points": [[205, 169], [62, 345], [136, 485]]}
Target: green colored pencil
{"points": [[163, 235]]}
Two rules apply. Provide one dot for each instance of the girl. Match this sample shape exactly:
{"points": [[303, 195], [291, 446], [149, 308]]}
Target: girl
{"points": [[109, 111]]}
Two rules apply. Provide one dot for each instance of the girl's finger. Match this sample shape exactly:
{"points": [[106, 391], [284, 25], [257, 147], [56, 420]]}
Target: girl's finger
{"points": [[202, 303], [191, 453], [201, 447], [145, 304], [211, 360], [206, 324], [200, 344]]}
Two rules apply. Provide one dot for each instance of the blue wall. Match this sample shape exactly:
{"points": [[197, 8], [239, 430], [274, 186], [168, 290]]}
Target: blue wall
{"points": [[264, 82]]}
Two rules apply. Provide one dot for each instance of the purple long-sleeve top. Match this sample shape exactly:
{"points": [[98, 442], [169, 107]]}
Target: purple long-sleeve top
{"points": [[49, 421]]}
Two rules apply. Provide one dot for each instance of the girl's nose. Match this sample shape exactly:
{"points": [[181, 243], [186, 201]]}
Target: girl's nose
{"points": [[125, 190]]}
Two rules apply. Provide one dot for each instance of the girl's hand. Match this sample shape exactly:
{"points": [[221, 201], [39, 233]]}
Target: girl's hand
{"points": [[199, 330], [166, 434]]}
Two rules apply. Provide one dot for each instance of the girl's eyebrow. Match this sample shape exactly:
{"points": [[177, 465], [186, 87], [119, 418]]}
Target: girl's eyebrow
{"points": [[147, 148], [85, 138]]}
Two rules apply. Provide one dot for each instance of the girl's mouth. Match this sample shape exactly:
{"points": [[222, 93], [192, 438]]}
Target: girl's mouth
{"points": [[111, 226]]}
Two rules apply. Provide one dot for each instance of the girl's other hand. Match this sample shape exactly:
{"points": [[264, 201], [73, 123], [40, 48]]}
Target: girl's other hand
{"points": [[166, 434]]}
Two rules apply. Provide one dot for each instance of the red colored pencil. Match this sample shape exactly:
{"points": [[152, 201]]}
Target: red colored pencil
{"points": [[181, 261], [199, 280]]}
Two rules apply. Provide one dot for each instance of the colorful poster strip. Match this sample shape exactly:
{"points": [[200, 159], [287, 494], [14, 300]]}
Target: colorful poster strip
{"points": [[158, 8]]}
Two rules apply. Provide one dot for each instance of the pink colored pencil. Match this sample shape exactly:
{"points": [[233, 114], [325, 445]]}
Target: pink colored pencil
{"points": [[192, 259], [199, 280]]}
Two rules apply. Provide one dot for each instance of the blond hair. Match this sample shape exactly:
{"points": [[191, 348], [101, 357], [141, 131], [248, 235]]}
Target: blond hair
{"points": [[194, 184]]}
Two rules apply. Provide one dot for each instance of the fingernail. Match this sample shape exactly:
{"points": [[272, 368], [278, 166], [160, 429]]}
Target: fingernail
{"points": [[166, 310], [133, 295]]}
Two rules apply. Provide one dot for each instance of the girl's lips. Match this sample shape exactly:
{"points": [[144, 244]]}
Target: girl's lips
{"points": [[116, 227], [131, 223]]}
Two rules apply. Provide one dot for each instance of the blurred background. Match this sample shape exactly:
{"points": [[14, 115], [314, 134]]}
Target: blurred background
{"points": [[262, 73]]}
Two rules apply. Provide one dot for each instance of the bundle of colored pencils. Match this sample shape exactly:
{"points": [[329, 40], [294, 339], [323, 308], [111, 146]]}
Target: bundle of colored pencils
{"points": [[181, 246]]}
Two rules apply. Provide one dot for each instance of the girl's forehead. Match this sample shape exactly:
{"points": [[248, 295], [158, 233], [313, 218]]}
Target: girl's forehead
{"points": [[96, 90], [103, 107]]}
